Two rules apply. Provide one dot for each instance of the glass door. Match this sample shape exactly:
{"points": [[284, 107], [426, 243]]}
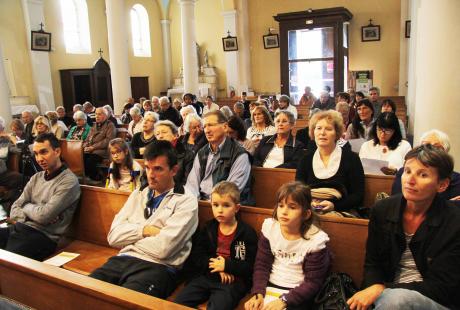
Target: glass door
{"points": [[310, 60]]}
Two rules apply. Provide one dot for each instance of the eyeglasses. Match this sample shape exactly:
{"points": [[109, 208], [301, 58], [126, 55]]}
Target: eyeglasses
{"points": [[386, 131]]}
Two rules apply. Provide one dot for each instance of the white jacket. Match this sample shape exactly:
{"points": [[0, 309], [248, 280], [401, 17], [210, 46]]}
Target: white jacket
{"points": [[177, 218]]}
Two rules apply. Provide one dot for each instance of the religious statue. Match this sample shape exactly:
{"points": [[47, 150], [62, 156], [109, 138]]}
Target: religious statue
{"points": [[206, 59]]}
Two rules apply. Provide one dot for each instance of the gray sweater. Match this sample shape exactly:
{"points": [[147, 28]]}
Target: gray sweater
{"points": [[48, 206]]}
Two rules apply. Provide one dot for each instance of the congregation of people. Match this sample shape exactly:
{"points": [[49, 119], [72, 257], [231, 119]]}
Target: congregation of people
{"points": [[174, 153]]}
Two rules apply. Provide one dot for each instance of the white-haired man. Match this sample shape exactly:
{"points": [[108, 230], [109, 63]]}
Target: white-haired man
{"points": [[167, 112], [97, 141]]}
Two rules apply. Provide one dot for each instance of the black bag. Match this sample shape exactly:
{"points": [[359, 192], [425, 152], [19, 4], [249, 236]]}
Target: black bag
{"points": [[337, 289]]}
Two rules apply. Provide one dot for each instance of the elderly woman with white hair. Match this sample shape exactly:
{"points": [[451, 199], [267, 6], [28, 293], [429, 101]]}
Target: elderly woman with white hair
{"points": [[135, 125], [440, 140], [194, 138], [183, 113], [146, 136], [111, 116], [81, 130], [96, 144]]}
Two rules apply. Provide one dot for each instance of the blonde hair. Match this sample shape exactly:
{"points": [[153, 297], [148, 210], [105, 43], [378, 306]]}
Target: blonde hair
{"points": [[332, 117], [41, 119], [227, 188]]}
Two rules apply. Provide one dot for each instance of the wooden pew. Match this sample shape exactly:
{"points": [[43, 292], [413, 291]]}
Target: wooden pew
{"points": [[268, 180], [42, 286], [13, 161], [72, 155]]}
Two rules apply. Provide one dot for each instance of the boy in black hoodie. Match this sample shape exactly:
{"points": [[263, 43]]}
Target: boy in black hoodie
{"points": [[222, 256]]}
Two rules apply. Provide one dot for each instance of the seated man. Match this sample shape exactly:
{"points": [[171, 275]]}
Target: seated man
{"points": [[45, 209], [412, 250], [167, 112], [97, 141], [222, 159], [325, 102], [153, 229], [285, 104]]}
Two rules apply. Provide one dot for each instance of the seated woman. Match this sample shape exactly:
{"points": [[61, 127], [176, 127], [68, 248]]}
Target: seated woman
{"points": [[56, 128], [236, 130], [81, 130], [124, 172], [41, 125], [387, 143], [147, 106], [412, 248], [362, 122], [135, 125], [262, 124], [167, 130], [388, 105], [183, 113], [281, 150], [331, 166], [126, 117], [146, 136], [194, 138], [17, 130], [440, 140]]}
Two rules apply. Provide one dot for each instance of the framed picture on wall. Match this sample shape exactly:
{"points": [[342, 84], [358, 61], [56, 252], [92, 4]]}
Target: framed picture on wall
{"points": [[40, 41], [271, 41], [370, 33], [407, 32], [230, 44]]}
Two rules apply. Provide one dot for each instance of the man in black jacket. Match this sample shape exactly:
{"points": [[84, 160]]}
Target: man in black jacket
{"points": [[167, 112], [413, 246]]}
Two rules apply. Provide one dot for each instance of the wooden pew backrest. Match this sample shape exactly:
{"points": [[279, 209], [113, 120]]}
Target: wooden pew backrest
{"points": [[98, 207], [374, 184], [42, 286], [72, 154]]}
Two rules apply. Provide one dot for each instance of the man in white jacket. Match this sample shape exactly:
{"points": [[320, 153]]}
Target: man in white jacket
{"points": [[153, 229]]}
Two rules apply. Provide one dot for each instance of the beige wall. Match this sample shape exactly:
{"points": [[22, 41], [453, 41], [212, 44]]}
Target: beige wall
{"points": [[15, 46], [381, 56], [209, 32]]}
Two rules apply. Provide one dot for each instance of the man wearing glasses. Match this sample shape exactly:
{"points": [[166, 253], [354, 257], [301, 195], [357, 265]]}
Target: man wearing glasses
{"points": [[222, 159], [153, 229]]}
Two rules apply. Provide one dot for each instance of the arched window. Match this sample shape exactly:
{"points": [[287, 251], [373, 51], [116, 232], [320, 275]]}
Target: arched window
{"points": [[140, 31], [76, 26]]}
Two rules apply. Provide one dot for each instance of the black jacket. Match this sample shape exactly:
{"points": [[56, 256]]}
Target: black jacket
{"points": [[200, 141], [435, 247], [242, 251], [172, 115], [293, 151], [185, 159]]}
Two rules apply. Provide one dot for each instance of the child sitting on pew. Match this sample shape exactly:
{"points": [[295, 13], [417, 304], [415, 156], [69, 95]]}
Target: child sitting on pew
{"points": [[124, 172], [222, 255], [292, 259]]}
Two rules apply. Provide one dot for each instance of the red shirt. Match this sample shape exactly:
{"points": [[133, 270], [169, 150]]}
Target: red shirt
{"points": [[223, 243]]}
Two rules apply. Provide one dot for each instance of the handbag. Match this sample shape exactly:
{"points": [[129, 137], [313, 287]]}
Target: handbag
{"points": [[337, 289]]}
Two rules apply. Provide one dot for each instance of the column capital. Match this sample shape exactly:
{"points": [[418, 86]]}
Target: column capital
{"points": [[230, 13]]}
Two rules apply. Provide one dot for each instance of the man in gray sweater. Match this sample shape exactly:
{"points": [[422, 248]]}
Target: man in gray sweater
{"points": [[153, 229], [44, 211]]}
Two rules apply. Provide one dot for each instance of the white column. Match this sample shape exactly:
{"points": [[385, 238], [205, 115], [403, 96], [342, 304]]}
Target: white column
{"points": [[403, 51], [118, 51], [5, 107], [437, 69], [244, 46], [411, 64], [189, 57], [165, 30], [41, 70], [231, 58]]}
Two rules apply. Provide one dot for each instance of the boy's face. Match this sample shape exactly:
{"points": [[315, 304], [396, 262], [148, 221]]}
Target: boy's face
{"points": [[224, 208]]}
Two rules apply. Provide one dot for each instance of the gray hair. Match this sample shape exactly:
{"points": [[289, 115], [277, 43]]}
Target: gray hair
{"points": [[79, 115], [239, 105], [190, 118], [440, 135], [285, 98], [60, 108], [167, 123], [226, 111], [164, 99], [376, 89], [106, 112], [109, 109], [155, 98], [288, 114], [87, 104], [189, 109], [150, 114], [138, 105], [77, 107], [134, 111], [342, 105]]}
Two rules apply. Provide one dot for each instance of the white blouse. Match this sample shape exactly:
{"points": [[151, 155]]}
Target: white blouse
{"points": [[395, 158], [322, 171], [132, 129], [274, 158], [255, 134]]}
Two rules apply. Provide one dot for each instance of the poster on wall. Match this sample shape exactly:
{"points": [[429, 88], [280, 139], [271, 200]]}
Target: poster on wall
{"points": [[361, 81]]}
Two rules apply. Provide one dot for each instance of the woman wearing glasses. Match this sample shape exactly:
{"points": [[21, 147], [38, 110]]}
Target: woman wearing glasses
{"points": [[387, 143]]}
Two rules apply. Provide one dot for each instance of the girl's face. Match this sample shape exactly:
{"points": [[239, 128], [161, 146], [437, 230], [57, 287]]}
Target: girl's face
{"points": [[290, 214], [282, 124], [117, 154], [365, 113]]}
